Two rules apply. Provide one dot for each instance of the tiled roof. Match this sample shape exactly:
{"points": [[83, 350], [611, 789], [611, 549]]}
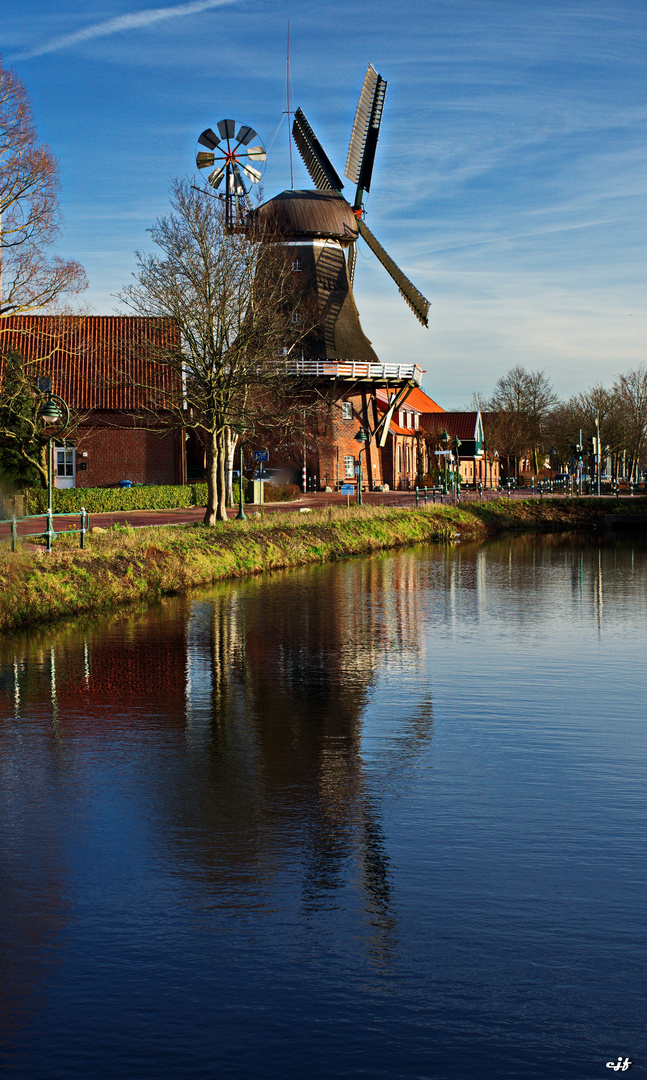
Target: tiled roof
{"points": [[462, 424], [417, 401], [95, 361], [421, 402]]}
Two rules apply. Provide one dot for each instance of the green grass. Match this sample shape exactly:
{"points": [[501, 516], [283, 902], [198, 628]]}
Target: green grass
{"points": [[125, 566]]}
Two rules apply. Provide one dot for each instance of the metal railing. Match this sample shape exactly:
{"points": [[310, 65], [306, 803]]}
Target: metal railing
{"points": [[352, 369], [49, 532]]}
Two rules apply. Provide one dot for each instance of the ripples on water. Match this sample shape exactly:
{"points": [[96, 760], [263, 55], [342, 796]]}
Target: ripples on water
{"points": [[379, 819]]}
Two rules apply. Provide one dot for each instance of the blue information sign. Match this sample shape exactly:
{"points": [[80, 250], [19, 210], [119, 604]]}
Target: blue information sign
{"points": [[261, 455], [348, 489]]}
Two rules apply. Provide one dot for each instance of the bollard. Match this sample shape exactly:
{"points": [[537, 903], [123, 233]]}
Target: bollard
{"points": [[82, 529], [433, 495], [417, 499], [481, 490], [14, 533]]}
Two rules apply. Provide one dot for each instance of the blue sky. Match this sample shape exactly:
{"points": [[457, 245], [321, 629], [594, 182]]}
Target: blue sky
{"points": [[510, 175]]}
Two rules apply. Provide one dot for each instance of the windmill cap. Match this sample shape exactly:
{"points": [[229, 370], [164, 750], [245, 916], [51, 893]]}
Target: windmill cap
{"points": [[297, 214]]}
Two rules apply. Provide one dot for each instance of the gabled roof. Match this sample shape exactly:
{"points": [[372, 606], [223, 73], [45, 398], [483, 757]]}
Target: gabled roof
{"points": [[417, 401], [421, 402], [461, 424], [95, 361]]}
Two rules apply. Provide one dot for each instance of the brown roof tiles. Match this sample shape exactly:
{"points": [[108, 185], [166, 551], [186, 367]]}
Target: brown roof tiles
{"points": [[95, 361]]}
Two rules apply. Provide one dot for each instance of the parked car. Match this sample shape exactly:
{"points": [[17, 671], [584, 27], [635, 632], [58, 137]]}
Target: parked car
{"points": [[561, 476]]}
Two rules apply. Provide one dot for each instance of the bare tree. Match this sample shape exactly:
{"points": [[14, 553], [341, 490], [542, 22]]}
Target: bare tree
{"points": [[30, 277], [241, 312], [630, 392], [522, 402]]}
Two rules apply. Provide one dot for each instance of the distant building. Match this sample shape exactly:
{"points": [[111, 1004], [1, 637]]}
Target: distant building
{"points": [[103, 367]]}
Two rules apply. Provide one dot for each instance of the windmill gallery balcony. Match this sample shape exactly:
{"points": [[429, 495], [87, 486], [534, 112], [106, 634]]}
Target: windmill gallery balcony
{"points": [[356, 371]]}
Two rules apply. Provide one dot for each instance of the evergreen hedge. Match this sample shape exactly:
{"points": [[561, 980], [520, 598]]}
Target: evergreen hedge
{"points": [[105, 500]]}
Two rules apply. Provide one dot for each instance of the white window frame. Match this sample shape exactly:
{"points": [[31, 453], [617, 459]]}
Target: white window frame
{"points": [[67, 478], [347, 410], [349, 467]]}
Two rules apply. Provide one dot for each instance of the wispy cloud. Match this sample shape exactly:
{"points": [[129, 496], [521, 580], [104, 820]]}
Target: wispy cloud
{"points": [[139, 20]]}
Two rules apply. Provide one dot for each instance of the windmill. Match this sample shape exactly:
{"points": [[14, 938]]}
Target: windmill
{"points": [[321, 229], [230, 158], [359, 170]]}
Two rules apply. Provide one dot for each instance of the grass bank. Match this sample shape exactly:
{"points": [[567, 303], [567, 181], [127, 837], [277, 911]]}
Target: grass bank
{"points": [[123, 566]]}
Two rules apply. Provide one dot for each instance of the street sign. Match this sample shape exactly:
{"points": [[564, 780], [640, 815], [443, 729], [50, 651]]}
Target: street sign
{"points": [[348, 489], [261, 455]]}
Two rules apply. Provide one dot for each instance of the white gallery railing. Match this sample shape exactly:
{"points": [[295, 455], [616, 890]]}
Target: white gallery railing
{"points": [[354, 369]]}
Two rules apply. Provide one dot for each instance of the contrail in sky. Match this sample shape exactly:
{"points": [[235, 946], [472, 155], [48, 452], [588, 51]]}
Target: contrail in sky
{"points": [[137, 21]]}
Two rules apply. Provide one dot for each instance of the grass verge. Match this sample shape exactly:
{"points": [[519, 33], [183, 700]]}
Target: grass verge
{"points": [[124, 566]]}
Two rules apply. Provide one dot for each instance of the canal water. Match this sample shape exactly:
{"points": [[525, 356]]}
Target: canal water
{"points": [[379, 819]]}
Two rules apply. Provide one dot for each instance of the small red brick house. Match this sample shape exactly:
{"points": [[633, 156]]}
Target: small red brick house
{"points": [[102, 366], [475, 463]]}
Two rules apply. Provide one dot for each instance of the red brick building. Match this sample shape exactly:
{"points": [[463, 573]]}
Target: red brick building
{"points": [[103, 367]]}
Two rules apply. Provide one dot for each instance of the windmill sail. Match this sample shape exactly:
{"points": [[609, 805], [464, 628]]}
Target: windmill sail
{"points": [[315, 159], [366, 128], [416, 301]]}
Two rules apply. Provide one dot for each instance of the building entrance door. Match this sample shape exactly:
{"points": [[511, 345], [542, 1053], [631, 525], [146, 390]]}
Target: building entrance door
{"points": [[64, 467]]}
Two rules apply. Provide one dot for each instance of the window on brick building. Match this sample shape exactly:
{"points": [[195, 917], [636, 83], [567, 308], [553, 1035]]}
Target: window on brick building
{"points": [[296, 265], [416, 421], [296, 317], [349, 466], [347, 410]]}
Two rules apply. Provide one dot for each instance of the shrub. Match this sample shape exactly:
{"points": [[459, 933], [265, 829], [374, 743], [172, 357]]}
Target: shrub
{"points": [[102, 500], [281, 493]]}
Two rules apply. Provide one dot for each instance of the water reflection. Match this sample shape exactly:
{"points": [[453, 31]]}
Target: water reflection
{"points": [[231, 756], [265, 683]]}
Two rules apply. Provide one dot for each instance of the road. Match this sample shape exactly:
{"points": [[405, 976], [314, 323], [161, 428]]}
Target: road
{"points": [[141, 518]]}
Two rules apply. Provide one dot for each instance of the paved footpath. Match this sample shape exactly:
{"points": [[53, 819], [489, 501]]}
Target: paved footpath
{"points": [[141, 518]]}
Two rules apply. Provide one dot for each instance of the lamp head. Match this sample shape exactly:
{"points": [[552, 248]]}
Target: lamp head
{"points": [[444, 438], [50, 412], [361, 436]]}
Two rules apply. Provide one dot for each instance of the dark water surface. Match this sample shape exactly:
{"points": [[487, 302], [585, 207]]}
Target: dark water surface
{"points": [[381, 819]]}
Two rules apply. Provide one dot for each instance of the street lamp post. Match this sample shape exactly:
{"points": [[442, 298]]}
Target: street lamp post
{"points": [[444, 442], [54, 411], [363, 437], [457, 445]]}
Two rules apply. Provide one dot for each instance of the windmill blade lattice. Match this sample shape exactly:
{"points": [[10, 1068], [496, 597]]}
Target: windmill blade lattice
{"points": [[416, 301], [229, 157], [315, 159], [366, 129]]}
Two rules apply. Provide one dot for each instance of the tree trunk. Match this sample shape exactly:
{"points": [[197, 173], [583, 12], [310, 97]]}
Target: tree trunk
{"points": [[212, 479], [221, 446], [216, 447], [230, 445]]}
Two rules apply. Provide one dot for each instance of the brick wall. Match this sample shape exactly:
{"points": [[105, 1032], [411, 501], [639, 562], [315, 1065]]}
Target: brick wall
{"points": [[141, 454]]}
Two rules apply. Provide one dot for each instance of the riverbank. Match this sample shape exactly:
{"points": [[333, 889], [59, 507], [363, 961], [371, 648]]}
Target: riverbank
{"points": [[123, 566]]}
